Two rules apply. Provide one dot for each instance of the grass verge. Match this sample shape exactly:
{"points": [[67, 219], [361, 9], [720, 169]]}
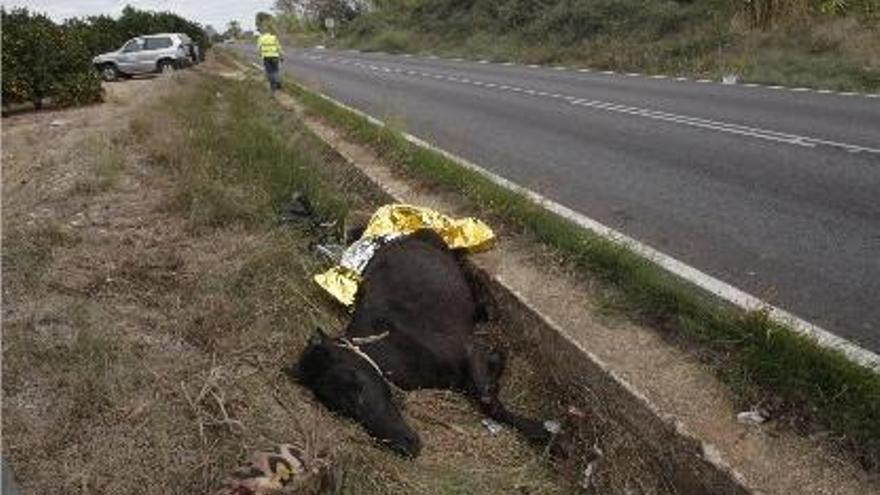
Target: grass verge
{"points": [[759, 358], [700, 39], [145, 348]]}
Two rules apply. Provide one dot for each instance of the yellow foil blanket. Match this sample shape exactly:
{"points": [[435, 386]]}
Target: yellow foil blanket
{"points": [[395, 220]]}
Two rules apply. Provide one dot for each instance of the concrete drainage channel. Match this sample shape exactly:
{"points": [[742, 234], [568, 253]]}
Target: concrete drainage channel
{"points": [[667, 405]]}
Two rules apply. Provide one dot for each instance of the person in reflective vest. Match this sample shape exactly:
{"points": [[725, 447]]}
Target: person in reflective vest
{"points": [[272, 55]]}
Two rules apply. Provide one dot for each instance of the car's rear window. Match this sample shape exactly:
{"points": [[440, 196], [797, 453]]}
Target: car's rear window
{"points": [[158, 43]]}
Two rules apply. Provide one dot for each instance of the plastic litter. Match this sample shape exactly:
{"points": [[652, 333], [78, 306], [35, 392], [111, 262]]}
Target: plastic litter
{"points": [[552, 427], [298, 208], [388, 223], [589, 471], [493, 426], [595, 455], [754, 417], [58, 123]]}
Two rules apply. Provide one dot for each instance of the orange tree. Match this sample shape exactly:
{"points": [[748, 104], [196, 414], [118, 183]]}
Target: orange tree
{"points": [[43, 61]]}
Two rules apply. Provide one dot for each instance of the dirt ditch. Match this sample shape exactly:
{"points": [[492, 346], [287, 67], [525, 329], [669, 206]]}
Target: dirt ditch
{"points": [[145, 323]]}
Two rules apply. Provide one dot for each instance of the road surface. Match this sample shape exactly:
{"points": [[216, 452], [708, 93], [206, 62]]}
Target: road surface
{"points": [[774, 191]]}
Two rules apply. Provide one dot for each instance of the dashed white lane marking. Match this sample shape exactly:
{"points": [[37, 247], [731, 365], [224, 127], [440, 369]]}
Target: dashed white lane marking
{"points": [[631, 74], [714, 125]]}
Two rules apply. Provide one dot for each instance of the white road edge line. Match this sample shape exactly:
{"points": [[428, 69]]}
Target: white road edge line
{"points": [[678, 268]]}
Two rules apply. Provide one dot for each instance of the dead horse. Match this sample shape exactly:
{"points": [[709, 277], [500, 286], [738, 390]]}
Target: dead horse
{"points": [[413, 327]]}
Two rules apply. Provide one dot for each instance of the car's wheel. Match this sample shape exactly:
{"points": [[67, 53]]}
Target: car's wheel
{"points": [[167, 67], [109, 72]]}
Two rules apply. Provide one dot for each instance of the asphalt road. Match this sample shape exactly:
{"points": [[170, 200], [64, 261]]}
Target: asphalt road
{"points": [[776, 192]]}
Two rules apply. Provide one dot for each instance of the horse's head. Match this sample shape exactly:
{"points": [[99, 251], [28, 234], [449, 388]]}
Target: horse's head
{"points": [[348, 384]]}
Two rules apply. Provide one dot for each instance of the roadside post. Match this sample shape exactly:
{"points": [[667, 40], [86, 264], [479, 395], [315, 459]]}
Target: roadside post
{"points": [[330, 24]]}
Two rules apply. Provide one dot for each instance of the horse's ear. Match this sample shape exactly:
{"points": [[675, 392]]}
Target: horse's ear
{"points": [[319, 337]]}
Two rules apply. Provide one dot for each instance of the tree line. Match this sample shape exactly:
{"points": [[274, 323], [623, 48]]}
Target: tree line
{"points": [[514, 14], [47, 61]]}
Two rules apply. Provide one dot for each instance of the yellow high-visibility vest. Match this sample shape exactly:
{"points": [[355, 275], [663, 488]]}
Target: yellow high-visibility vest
{"points": [[269, 46]]}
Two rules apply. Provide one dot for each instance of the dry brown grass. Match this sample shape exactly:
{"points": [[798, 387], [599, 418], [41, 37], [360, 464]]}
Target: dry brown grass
{"points": [[145, 327]]}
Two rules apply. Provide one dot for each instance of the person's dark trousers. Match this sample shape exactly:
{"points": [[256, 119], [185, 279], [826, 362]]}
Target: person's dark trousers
{"points": [[273, 72]]}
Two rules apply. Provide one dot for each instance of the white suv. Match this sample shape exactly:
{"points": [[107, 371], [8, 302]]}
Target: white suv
{"points": [[164, 52]]}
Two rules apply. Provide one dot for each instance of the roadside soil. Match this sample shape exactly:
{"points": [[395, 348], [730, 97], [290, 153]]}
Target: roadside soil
{"points": [[142, 351]]}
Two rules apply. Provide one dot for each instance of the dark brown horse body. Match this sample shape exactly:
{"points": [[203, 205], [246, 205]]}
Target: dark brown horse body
{"points": [[412, 327]]}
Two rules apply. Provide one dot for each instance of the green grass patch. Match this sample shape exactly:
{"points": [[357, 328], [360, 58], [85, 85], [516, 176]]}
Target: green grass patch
{"points": [[756, 356], [245, 159]]}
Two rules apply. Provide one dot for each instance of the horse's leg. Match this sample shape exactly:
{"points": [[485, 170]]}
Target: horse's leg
{"points": [[478, 281], [484, 369]]}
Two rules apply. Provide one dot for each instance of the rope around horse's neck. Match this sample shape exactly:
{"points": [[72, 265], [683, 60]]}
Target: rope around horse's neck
{"points": [[353, 344], [367, 340]]}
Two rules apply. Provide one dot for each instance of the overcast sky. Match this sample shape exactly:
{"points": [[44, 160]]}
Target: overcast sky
{"points": [[214, 12]]}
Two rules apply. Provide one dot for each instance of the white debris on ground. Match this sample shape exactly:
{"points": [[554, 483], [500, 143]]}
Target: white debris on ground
{"points": [[491, 425], [553, 427], [753, 417], [595, 455]]}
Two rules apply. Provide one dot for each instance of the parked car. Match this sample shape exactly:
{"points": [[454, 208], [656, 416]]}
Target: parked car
{"points": [[164, 52]]}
